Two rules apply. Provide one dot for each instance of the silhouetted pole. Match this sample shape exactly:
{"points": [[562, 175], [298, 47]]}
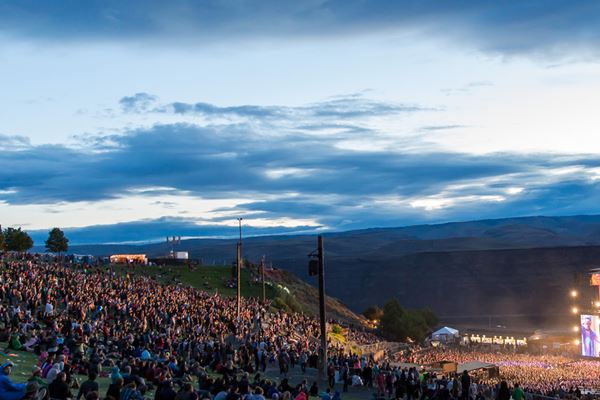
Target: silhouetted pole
{"points": [[239, 270], [321, 258], [238, 274], [262, 278]]}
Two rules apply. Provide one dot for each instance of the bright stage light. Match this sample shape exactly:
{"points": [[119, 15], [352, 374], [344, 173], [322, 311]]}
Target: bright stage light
{"points": [[575, 329], [575, 310], [597, 304], [573, 293], [576, 342]]}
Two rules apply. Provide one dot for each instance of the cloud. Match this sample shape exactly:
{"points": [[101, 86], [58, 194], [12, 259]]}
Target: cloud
{"points": [[153, 230], [350, 107], [468, 88], [220, 160], [301, 177], [555, 28], [14, 142], [139, 102], [288, 167], [435, 128]]}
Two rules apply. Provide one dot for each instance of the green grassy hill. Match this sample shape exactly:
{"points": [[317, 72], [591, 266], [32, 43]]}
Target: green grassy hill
{"points": [[279, 284], [208, 278]]}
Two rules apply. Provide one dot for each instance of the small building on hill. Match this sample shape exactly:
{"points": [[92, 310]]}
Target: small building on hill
{"points": [[140, 259]]}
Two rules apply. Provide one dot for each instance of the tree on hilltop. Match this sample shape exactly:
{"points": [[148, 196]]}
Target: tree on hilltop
{"points": [[57, 242], [17, 240]]}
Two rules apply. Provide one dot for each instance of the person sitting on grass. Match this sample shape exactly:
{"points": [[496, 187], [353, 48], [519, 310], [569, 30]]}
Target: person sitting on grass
{"points": [[130, 392], [8, 389], [257, 395], [114, 390], [88, 386], [59, 389], [15, 342], [36, 376], [326, 395], [33, 392]]}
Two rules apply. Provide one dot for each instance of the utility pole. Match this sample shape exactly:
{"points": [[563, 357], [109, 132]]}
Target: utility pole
{"points": [[317, 267], [321, 258], [239, 270], [262, 278]]}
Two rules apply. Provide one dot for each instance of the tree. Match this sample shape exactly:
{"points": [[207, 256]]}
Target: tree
{"points": [[57, 241], [17, 240], [400, 324], [392, 323], [373, 313], [430, 318], [2, 241]]}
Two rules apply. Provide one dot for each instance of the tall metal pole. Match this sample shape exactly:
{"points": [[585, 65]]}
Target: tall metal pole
{"points": [[239, 270], [262, 278], [238, 274], [322, 317]]}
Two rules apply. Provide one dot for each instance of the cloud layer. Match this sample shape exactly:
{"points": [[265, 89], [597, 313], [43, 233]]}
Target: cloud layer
{"points": [[291, 164], [515, 27]]}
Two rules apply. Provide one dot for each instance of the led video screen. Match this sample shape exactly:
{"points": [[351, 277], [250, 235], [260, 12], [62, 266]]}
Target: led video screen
{"points": [[590, 341]]}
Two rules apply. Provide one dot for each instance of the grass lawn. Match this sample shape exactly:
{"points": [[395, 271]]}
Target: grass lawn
{"points": [[24, 363], [208, 278]]}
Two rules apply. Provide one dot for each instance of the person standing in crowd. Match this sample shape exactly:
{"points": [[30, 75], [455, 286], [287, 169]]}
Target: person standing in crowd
{"points": [[503, 392], [345, 376], [465, 383], [331, 375], [518, 393], [367, 374]]}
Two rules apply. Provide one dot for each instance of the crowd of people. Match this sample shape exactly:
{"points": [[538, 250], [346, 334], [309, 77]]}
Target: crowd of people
{"points": [[90, 321], [549, 375], [172, 342]]}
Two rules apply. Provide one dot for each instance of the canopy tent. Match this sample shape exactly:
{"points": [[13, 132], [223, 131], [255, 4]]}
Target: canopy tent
{"points": [[474, 365], [445, 334], [493, 371]]}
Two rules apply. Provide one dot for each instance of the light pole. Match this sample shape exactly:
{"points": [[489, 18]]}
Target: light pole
{"points": [[239, 269], [262, 278], [317, 267]]}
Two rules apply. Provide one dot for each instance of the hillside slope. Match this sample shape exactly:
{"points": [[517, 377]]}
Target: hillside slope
{"points": [[516, 266]]}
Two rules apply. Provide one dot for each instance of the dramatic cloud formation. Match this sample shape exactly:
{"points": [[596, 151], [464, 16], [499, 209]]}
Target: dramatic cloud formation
{"points": [[515, 27], [296, 173], [125, 116]]}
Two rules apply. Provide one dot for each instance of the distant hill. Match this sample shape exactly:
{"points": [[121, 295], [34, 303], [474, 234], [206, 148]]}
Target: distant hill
{"points": [[520, 266]]}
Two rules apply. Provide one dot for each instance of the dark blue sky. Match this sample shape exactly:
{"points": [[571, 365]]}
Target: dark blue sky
{"points": [[132, 120]]}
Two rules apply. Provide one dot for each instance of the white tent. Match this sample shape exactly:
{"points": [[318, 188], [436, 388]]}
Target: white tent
{"points": [[445, 334], [473, 365]]}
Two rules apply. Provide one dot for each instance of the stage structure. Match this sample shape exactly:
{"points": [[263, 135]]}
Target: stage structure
{"points": [[586, 309]]}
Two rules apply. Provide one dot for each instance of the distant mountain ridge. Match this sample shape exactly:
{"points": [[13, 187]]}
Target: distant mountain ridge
{"points": [[460, 268]]}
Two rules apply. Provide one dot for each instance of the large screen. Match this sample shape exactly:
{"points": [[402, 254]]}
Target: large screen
{"points": [[590, 341]]}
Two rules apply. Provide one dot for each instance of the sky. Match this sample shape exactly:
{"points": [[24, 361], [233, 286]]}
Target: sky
{"points": [[132, 120]]}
